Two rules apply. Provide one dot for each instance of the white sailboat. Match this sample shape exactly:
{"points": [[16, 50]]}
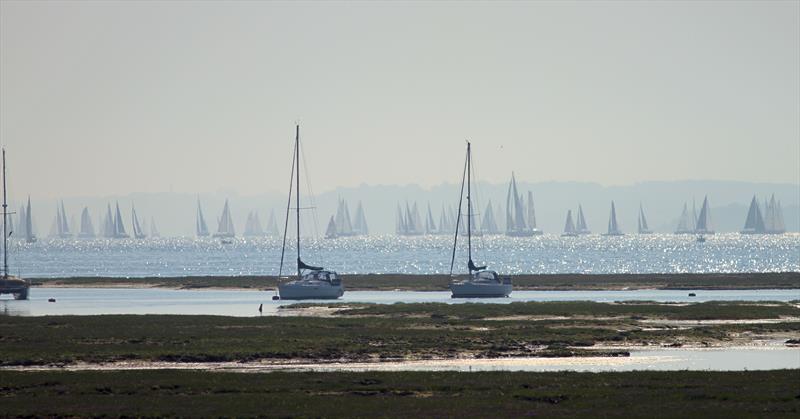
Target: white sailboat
{"points": [[153, 229], [430, 225], [754, 224], [315, 282], [515, 212], [60, 228], [9, 284], [613, 225], [87, 228], [569, 226], [703, 226], [330, 231], [272, 225], [642, 227], [138, 231], [344, 225], [532, 216], [360, 227], [201, 228], [685, 222], [581, 228], [225, 229], [252, 227], [489, 224], [409, 222], [481, 283], [773, 220], [119, 226]]}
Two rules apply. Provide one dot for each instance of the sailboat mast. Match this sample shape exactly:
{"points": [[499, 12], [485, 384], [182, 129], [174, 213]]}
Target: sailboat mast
{"points": [[297, 192], [469, 203], [5, 217]]}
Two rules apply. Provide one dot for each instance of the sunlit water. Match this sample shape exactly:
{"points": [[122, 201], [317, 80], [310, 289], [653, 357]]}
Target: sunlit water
{"points": [[660, 253], [90, 301]]}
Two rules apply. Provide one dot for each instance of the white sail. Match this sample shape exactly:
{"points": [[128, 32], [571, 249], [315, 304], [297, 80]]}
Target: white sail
{"points": [[87, 228], [642, 222], [344, 226], [569, 226], [489, 224], [252, 227], [754, 224], [773, 218], [225, 227], [581, 227], [272, 225], [516, 225], [613, 225], [685, 222], [119, 225], [400, 222], [430, 225], [153, 230], [201, 228], [330, 232], [360, 228], [703, 225], [138, 231], [21, 232]]}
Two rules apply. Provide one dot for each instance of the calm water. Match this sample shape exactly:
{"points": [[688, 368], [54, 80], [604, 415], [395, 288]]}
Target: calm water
{"points": [[83, 301], [660, 253]]}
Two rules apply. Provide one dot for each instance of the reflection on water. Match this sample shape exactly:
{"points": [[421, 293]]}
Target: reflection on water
{"points": [[242, 303], [658, 253]]}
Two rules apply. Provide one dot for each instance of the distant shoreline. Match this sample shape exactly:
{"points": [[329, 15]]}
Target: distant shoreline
{"points": [[406, 282]]}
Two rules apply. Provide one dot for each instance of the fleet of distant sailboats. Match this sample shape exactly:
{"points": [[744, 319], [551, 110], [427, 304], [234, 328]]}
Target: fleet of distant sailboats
{"points": [[341, 225]]}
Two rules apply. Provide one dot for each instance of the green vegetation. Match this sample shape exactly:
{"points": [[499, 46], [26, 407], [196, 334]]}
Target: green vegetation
{"points": [[162, 393], [385, 332], [783, 280]]}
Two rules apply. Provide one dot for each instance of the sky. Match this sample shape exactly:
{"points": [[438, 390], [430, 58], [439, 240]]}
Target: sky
{"points": [[107, 98]]}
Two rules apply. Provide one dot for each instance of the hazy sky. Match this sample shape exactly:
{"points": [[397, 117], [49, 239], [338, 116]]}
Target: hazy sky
{"points": [[117, 97]]}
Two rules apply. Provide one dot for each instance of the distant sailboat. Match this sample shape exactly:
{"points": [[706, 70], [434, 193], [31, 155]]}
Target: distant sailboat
{"points": [[430, 225], [642, 227], [703, 225], [532, 216], [444, 222], [153, 230], [225, 229], [581, 227], [569, 226], [60, 227], [119, 226], [138, 231], [613, 225], [754, 224], [489, 224], [360, 227], [201, 228], [330, 232], [272, 226], [515, 212], [316, 283], [408, 221], [773, 217], [87, 228], [685, 222], [252, 227], [344, 225], [481, 283]]}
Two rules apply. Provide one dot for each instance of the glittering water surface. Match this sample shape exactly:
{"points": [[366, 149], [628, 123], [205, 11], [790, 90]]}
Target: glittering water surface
{"points": [[659, 253]]}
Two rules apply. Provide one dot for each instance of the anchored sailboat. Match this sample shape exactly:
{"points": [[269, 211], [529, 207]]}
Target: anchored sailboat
{"points": [[642, 227], [581, 227], [225, 229], [10, 284], [87, 228], [481, 283], [201, 228], [316, 283], [569, 226], [613, 225]]}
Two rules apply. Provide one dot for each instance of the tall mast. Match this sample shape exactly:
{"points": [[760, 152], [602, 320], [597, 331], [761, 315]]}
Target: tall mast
{"points": [[5, 217], [469, 203], [297, 192]]}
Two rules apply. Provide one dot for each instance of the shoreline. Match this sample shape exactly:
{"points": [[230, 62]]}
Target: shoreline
{"points": [[438, 282]]}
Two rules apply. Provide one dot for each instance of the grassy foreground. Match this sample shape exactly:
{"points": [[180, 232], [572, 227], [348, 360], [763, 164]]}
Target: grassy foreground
{"points": [[385, 332], [783, 280], [162, 393]]}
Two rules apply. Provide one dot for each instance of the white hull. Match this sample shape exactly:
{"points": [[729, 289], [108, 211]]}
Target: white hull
{"points": [[480, 289], [310, 290]]}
